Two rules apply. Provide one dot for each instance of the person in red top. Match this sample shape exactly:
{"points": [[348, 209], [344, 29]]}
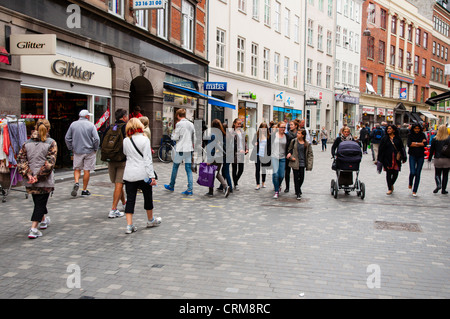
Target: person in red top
{"points": [[136, 112]]}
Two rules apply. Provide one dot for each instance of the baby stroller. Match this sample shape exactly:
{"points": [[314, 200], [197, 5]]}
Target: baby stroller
{"points": [[347, 160]]}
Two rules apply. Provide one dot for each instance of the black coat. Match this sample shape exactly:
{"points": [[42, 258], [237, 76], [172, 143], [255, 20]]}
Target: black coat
{"points": [[387, 150]]}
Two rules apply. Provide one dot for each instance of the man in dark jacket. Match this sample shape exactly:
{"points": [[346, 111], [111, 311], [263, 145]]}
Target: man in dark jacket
{"points": [[364, 137], [375, 139], [404, 131]]}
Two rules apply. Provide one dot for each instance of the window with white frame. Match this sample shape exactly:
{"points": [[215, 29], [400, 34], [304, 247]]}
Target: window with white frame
{"points": [[346, 8], [319, 74], [330, 8], [266, 64], [267, 12], [310, 31], [187, 25], [276, 67], [357, 43], [349, 74], [355, 76], [338, 35], [162, 20], [321, 5], [254, 60], [277, 18], [287, 22], [350, 40], [337, 71], [286, 71], [116, 7], [141, 18], [424, 66], [329, 42], [297, 29], [255, 11], [295, 75], [328, 77], [344, 72], [309, 71], [350, 9], [357, 10], [240, 54], [241, 5], [320, 38], [220, 48], [344, 38]]}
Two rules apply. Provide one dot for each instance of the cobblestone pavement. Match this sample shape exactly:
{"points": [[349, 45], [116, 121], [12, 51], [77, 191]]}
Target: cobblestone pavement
{"points": [[248, 245]]}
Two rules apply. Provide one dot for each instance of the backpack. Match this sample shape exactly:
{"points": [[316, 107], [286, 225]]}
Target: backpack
{"points": [[378, 134], [112, 145]]}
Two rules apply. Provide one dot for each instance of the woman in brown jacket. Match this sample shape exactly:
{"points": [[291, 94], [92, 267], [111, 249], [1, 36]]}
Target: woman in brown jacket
{"points": [[36, 161], [300, 156]]}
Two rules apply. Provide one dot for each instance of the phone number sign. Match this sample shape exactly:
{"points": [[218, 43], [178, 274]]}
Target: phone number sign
{"points": [[148, 4]]}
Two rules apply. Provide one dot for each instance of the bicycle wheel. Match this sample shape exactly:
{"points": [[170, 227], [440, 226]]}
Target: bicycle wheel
{"points": [[165, 153]]}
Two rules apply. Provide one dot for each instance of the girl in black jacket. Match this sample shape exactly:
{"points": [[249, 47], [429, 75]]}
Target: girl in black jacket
{"points": [[416, 144], [391, 145]]}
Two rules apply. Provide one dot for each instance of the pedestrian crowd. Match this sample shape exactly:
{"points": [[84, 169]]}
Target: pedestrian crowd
{"points": [[280, 147]]}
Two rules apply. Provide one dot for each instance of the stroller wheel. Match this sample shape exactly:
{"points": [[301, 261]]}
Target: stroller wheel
{"points": [[363, 190], [336, 189], [332, 186]]}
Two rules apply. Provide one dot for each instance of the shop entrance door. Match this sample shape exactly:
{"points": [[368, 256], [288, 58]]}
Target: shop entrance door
{"points": [[63, 109]]}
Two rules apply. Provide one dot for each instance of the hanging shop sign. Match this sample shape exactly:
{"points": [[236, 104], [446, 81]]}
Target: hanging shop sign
{"points": [[381, 112], [278, 96], [147, 4], [290, 101], [67, 69], [368, 110], [215, 86], [32, 44], [347, 98]]}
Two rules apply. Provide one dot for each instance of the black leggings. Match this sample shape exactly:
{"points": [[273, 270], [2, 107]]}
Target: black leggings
{"points": [[299, 177], [131, 190], [238, 169], [40, 206], [391, 177], [258, 171]]}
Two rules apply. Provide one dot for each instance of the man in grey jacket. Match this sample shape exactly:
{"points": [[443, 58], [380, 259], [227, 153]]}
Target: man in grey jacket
{"points": [[83, 140]]}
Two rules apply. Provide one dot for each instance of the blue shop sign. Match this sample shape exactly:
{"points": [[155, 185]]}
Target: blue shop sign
{"points": [[215, 86]]}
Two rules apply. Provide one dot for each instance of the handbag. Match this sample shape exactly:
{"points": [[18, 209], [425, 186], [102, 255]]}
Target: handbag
{"points": [[206, 175], [398, 157], [140, 153], [446, 150]]}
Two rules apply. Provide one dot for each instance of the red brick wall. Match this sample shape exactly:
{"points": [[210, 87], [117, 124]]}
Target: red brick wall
{"points": [[373, 66]]}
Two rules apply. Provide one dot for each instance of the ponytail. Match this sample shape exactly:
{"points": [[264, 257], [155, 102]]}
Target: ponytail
{"points": [[42, 127]]}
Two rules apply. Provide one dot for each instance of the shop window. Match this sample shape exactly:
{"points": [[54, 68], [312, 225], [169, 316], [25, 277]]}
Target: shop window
{"points": [[32, 106]]}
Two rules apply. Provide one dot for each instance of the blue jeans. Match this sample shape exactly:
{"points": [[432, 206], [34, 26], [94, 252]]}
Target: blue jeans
{"points": [[415, 168], [279, 166], [178, 158]]}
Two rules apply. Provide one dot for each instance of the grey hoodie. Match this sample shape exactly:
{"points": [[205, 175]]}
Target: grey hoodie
{"points": [[82, 137]]}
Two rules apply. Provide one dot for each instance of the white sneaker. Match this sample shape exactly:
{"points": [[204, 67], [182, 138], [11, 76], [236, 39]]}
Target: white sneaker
{"points": [[276, 195], [115, 213], [257, 187], [154, 223], [130, 229], [34, 234], [45, 223]]}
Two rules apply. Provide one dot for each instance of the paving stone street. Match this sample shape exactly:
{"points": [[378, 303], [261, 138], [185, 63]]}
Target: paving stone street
{"points": [[246, 246]]}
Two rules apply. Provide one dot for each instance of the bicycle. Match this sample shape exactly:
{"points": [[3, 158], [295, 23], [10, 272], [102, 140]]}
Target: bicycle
{"points": [[166, 151]]}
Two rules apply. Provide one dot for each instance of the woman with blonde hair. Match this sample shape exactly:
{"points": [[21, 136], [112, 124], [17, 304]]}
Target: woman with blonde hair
{"points": [[139, 173], [441, 162], [36, 161], [144, 120]]}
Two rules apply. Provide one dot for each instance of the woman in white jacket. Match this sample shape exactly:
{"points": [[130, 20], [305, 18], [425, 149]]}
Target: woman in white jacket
{"points": [[139, 173]]}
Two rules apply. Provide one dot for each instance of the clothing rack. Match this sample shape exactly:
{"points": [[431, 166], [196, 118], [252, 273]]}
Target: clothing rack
{"points": [[13, 168]]}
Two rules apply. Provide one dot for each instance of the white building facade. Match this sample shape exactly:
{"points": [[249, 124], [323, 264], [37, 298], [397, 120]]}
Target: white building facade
{"points": [[256, 54], [319, 64], [347, 64]]}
